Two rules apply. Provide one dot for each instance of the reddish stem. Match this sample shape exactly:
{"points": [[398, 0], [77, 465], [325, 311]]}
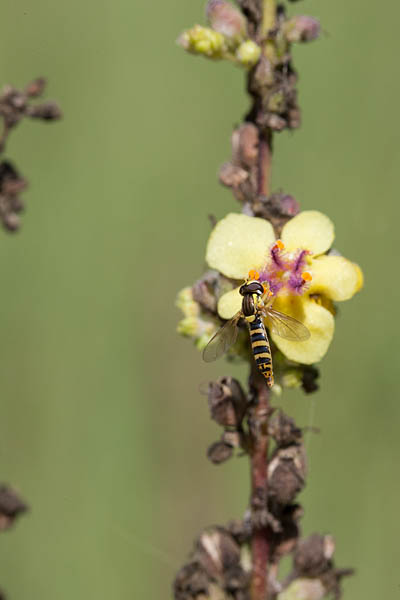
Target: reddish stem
{"points": [[264, 163], [259, 429], [259, 486]]}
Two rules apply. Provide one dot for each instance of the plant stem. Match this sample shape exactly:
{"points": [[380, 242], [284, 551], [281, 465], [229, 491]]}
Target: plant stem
{"points": [[259, 485], [264, 163], [260, 547]]}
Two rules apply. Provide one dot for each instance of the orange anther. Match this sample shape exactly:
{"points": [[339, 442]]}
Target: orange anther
{"points": [[254, 274], [279, 245], [306, 276]]}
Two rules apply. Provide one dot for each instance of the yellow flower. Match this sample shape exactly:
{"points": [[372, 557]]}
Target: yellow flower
{"points": [[303, 278]]}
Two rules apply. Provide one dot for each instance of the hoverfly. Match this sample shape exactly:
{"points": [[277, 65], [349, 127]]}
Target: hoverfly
{"points": [[256, 306]]}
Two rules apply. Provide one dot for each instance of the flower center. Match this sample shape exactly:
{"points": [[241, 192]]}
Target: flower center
{"points": [[286, 272]]}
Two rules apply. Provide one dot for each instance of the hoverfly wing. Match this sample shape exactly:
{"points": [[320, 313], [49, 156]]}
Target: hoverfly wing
{"points": [[286, 327], [222, 340]]}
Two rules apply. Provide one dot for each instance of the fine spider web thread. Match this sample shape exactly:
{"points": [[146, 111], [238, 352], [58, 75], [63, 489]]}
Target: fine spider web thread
{"points": [[147, 548]]}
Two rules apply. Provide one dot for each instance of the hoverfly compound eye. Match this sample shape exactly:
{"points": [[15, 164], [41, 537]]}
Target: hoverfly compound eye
{"points": [[254, 287], [242, 290]]}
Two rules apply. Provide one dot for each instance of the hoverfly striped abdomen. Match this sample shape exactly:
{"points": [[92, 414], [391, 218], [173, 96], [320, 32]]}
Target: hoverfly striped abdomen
{"points": [[261, 349]]}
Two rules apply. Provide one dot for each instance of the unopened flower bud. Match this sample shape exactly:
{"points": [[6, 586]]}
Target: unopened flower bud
{"points": [[226, 19], [248, 53], [189, 327], [186, 303], [289, 205], [302, 29], [303, 589], [203, 40], [276, 101], [292, 378]]}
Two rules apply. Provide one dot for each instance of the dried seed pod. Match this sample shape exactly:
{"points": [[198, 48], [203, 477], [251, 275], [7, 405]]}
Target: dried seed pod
{"points": [[227, 401], [284, 430], [48, 111], [11, 506], [219, 452], [240, 529], [313, 555], [245, 145], [217, 552], [191, 582], [239, 180], [286, 474], [204, 291], [11, 184], [309, 379], [284, 541]]}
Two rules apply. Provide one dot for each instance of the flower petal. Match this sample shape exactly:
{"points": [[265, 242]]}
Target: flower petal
{"points": [[335, 277], [229, 304], [239, 243], [309, 229], [316, 318]]}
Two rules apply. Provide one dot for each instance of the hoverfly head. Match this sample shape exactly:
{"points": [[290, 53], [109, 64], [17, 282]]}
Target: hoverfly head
{"points": [[252, 285]]}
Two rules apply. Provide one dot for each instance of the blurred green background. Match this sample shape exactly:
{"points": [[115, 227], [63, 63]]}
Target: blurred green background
{"points": [[102, 428]]}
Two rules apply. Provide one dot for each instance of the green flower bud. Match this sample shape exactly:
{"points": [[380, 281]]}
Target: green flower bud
{"points": [[303, 589], [248, 53], [292, 378], [186, 304], [189, 327], [203, 40]]}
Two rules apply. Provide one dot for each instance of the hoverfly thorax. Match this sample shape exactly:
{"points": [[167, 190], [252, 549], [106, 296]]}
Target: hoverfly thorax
{"points": [[250, 290]]}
